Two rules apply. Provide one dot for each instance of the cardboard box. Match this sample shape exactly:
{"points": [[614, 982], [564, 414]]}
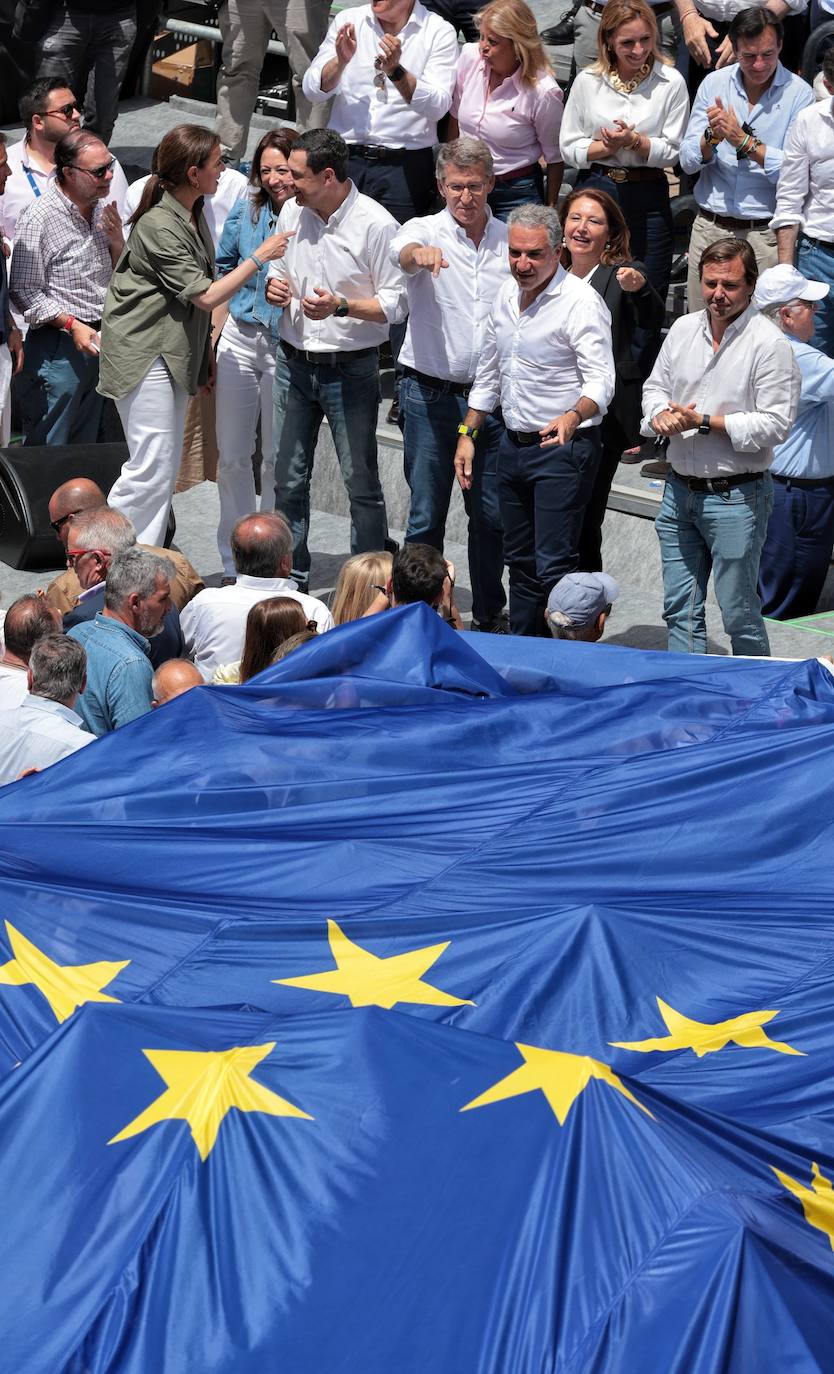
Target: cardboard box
{"points": [[189, 71]]}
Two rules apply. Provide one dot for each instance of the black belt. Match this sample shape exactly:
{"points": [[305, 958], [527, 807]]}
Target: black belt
{"points": [[437, 384], [717, 485], [374, 152], [819, 243], [804, 483], [525, 438], [326, 359], [731, 222]]}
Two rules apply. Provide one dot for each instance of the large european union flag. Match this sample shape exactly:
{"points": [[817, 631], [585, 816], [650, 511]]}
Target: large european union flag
{"points": [[405, 1010]]}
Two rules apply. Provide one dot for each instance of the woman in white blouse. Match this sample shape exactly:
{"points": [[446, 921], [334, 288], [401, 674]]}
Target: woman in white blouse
{"points": [[623, 124], [506, 95]]}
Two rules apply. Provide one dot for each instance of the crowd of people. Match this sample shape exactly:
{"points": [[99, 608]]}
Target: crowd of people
{"points": [[420, 209]]}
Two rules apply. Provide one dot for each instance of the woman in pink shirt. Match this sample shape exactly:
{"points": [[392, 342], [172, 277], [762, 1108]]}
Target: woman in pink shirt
{"points": [[506, 95]]}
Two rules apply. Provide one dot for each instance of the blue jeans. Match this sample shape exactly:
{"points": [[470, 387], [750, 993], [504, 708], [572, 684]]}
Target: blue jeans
{"points": [[509, 195], [59, 403], [797, 550], [702, 532], [348, 394], [817, 264], [430, 420], [543, 493]]}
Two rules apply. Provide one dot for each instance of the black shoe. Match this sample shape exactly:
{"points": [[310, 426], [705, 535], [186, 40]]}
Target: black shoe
{"points": [[393, 416], [499, 626], [390, 545]]}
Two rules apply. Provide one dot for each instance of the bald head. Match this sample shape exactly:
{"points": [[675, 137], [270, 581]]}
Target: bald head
{"points": [[71, 498], [262, 545], [173, 678], [28, 620]]}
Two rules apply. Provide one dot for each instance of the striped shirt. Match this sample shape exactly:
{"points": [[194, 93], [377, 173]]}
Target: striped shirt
{"points": [[61, 264]]}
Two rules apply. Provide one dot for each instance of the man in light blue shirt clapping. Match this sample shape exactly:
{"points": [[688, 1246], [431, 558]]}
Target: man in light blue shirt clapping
{"points": [[800, 534], [734, 142]]}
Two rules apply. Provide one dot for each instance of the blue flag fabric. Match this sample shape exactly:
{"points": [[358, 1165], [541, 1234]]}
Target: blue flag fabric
{"points": [[405, 1010]]}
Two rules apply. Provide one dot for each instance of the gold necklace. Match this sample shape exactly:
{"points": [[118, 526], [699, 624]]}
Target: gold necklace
{"points": [[626, 87]]}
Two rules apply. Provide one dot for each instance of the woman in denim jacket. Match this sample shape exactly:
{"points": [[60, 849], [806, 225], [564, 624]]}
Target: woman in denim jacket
{"points": [[246, 351]]}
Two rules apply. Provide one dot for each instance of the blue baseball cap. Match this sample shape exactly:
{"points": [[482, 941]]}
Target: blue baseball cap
{"points": [[581, 596]]}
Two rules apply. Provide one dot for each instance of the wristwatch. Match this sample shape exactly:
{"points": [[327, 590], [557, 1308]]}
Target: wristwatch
{"points": [[342, 308], [397, 73], [703, 427], [467, 431], [710, 137]]}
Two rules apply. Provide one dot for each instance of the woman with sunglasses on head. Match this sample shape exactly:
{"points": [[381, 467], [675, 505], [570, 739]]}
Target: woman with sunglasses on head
{"points": [[507, 96], [155, 334], [246, 351], [624, 121], [596, 247]]}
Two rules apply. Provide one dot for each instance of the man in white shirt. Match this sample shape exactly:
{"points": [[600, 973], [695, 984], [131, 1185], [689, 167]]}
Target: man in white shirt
{"points": [[724, 390], [547, 361], [214, 623], [340, 293], [49, 111], [805, 202], [390, 67], [44, 728], [455, 263], [28, 620]]}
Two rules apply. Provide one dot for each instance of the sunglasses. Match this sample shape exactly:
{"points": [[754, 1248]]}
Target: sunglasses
{"points": [[65, 111], [98, 172], [58, 524]]}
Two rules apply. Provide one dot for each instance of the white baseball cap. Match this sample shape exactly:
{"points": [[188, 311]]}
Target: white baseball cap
{"points": [[778, 285]]}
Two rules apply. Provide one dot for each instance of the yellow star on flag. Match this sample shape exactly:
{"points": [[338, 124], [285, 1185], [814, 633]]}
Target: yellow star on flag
{"points": [[817, 1201], [371, 981], [561, 1077], [708, 1037], [203, 1085], [65, 986]]}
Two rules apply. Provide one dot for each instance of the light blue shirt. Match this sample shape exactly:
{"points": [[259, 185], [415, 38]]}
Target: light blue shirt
{"points": [[808, 450], [728, 185], [241, 237], [37, 734], [119, 673]]}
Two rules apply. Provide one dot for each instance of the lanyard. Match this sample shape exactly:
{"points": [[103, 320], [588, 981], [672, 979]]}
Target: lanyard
{"points": [[34, 185]]}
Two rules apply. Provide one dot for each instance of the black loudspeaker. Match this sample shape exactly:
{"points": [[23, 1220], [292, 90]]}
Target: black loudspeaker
{"points": [[28, 477]]}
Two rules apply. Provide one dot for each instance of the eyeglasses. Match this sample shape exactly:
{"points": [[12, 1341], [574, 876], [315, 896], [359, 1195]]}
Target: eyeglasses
{"points": [[73, 555], [65, 111], [58, 525], [473, 187], [98, 172]]}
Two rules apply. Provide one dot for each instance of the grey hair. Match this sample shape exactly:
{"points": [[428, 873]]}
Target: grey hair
{"points": [[538, 217], [463, 152], [774, 310], [134, 572], [102, 528], [58, 665], [259, 542]]}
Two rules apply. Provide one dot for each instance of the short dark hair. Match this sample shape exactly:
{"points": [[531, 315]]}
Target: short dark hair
{"points": [[417, 574], [35, 100], [28, 619], [58, 665], [724, 250], [751, 23], [259, 543], [324, 148], [68, 148]]}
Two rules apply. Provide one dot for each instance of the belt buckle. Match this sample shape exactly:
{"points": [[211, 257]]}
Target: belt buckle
{"points": [[616, 173], [717, 486]]}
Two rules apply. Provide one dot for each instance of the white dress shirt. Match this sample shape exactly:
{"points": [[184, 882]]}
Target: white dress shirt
{"points": [[448, 313], [214, 622], [348, 255], [27, 183], [13, 686], [38, 733], [751, 379], [537, 363], [231, 187], [805, 193], [658, 108], [365, 113]]}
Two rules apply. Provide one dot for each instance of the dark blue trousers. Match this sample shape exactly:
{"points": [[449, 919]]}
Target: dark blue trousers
{"points": [[797, 550]]}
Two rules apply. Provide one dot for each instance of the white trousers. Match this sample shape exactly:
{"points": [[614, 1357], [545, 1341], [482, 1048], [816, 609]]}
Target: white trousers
{"points": [[153, 416], [245, 373]]}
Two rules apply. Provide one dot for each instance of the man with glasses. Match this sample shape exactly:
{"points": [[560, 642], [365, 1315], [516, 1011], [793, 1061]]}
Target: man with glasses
{"points": [[800, 534], [68, 242], [49, 111], [455, 263]]}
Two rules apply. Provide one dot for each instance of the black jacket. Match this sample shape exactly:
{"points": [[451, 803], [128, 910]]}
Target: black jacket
{"points": [[630, 310]]}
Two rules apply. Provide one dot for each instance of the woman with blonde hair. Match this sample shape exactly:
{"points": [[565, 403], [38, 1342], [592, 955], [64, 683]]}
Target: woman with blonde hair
{"points": [[624, 121], [360, 581], [507, 96]]}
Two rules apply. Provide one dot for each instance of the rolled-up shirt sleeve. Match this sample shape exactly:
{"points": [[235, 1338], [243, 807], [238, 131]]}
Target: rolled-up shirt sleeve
{"points": [[656, 391], [794, 180], [486, 391], [435, 85], [388, 277], [578, 124], [776, 385], [413, 231], [175, 267], [311, 81]]}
